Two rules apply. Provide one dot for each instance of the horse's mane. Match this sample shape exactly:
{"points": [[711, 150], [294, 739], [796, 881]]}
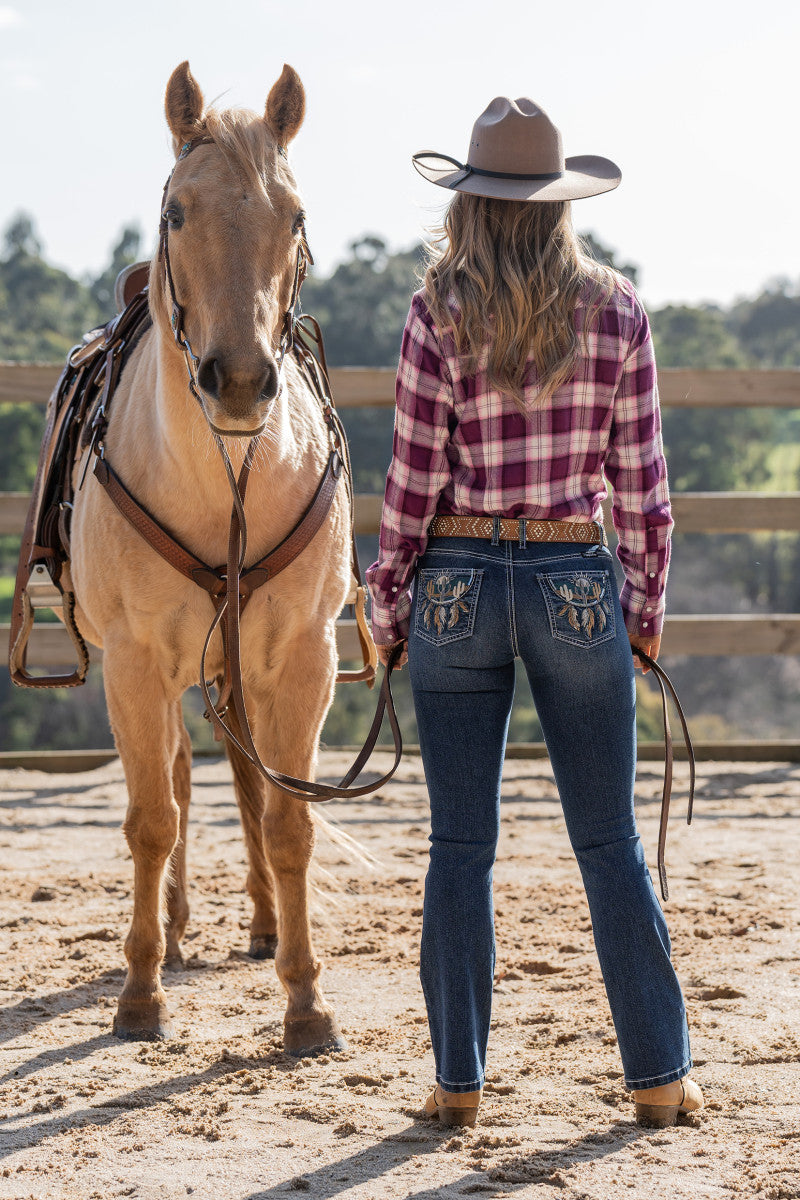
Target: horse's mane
{"points": [[245, 140]]}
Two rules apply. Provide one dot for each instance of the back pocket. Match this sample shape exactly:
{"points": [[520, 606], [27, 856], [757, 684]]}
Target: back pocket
{"points": [[447, 601], [580, 606]]}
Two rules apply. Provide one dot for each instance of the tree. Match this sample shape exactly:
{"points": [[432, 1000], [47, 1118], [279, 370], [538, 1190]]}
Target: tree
{"points": [[20, 238], [695, 337], [44, 310], [363, 305], [708, 450], [125, 252], [602, 254], [768, 326]]}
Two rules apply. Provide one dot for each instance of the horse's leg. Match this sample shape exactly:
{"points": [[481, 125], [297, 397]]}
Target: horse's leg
{"points": [[251, 796], [177, 904], [289, 737], [146, 738]]}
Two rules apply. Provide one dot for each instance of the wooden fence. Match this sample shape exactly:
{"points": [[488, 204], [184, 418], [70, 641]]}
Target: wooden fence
{"points": [[695, 512]]}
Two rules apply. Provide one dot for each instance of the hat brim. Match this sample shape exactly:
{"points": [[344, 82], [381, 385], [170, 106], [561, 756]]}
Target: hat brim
{"points": [[584, 175]]}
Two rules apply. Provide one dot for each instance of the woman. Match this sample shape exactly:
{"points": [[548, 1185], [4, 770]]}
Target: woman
{"points": [[526, 380]]}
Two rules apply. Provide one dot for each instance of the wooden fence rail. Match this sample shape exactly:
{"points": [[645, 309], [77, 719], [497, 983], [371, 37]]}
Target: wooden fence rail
{"points": [[694, 512], [373, 387]]}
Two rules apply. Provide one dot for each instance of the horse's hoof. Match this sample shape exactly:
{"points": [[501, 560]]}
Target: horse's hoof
{"points": [[144, 1023], [263, 946], [306, 1037]]}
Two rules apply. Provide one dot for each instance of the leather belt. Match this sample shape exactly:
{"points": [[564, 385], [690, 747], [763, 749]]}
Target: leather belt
{"points": [[509, 529]]}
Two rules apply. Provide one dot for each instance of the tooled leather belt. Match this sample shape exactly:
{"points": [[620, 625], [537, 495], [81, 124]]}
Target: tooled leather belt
{"points": [[509, 529]]}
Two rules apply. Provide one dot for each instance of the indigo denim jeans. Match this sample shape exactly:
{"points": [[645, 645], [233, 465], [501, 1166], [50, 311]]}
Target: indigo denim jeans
{"points": [[478, 606]]}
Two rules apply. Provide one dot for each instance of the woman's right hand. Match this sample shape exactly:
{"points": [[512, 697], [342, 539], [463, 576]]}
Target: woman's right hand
{"points": [[650, 645]]}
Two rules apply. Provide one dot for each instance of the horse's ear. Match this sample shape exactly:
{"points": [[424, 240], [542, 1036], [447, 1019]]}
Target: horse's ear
{"points": [[184, 105], [286, 106]]}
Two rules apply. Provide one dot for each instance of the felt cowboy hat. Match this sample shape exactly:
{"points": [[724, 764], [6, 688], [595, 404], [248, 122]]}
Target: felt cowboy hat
{"points": [[515, 153]]}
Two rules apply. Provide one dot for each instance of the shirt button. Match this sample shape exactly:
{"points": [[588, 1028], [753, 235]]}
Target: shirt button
{"points": [[394, 589], [652, 574], [644, 624], [649, 608]]}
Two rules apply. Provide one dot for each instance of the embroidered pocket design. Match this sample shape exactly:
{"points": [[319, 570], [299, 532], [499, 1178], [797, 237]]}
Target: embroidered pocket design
{"points": [[446, 604], [580, 607]]}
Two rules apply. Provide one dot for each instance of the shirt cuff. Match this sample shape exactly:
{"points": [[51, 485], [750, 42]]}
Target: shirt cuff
{"points": [[390, 625], [644, 615]]}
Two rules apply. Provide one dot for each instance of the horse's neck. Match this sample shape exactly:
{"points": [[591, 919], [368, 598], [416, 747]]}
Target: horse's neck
{"points": [[166, 453]]}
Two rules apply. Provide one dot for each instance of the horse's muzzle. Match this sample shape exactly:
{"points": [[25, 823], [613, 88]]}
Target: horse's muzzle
{"points": [[236, 394]]}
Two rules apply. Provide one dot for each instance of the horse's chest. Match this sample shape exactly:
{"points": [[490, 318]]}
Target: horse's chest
{"points": [[179, 633]]}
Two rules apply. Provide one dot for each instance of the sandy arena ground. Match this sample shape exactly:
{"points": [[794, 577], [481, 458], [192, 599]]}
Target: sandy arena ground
{"points": [[222, 1114]]}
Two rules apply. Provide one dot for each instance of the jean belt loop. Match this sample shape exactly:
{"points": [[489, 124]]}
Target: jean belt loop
{"points": [[602, 530], [495, 531], [523, 533]]}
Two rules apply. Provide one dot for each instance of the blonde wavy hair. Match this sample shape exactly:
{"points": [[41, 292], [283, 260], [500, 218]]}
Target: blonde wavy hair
{"points": [[508, 274]]}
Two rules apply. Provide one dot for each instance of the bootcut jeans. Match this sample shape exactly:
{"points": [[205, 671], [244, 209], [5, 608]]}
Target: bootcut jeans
{"points": [[476, 607]]}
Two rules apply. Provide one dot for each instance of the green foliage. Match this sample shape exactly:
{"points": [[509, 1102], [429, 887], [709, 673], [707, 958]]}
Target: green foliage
{"points": [[363, 305], [710, 450], [61, 719], [126, 251], [21, 428], [603, 254], [691, 337], [43, 311], [767, 327]]}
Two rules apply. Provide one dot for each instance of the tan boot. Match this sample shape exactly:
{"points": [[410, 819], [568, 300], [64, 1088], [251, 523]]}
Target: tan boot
{"points": [[658, 1108], [453, 1108]]}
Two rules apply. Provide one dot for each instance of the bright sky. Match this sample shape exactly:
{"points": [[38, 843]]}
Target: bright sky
{"points": [[695, 99]]}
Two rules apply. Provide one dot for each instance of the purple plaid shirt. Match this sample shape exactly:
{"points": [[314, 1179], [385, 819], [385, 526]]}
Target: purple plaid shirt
{"points": [[460, 446]]}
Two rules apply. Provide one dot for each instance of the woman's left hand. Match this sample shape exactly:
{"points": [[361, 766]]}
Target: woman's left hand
{"points": [[650, 645], [385, 651]]}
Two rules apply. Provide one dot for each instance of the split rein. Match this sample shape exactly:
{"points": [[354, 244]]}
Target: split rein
{"points": [[665, 685], [230, 599]]}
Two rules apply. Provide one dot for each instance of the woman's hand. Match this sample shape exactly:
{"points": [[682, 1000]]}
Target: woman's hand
{"points": [[650, 645], [385, 651]]}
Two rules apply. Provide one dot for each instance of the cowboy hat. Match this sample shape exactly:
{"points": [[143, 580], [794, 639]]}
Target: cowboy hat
{"points": [[515, 153]]}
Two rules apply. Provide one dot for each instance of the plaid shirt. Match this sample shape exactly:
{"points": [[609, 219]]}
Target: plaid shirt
{"points": [[460, 446]]}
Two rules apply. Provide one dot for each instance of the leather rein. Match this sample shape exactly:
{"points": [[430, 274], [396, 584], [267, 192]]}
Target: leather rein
{"points": [[230, 587], [666, 686]]}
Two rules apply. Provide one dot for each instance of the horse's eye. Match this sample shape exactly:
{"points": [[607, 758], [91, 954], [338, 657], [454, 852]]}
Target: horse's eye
{"points": [[173, 214], [299, 222]]}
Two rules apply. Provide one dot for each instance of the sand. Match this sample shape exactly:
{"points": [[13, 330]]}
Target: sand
{"points": [[221, 1113]]}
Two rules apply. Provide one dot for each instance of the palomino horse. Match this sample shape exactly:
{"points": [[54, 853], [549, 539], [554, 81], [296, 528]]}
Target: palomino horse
{"points": [[235, 220]]}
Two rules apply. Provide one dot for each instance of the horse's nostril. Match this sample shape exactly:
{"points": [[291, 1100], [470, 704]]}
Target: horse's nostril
{"points": [[269, 388], [209, 376]]}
